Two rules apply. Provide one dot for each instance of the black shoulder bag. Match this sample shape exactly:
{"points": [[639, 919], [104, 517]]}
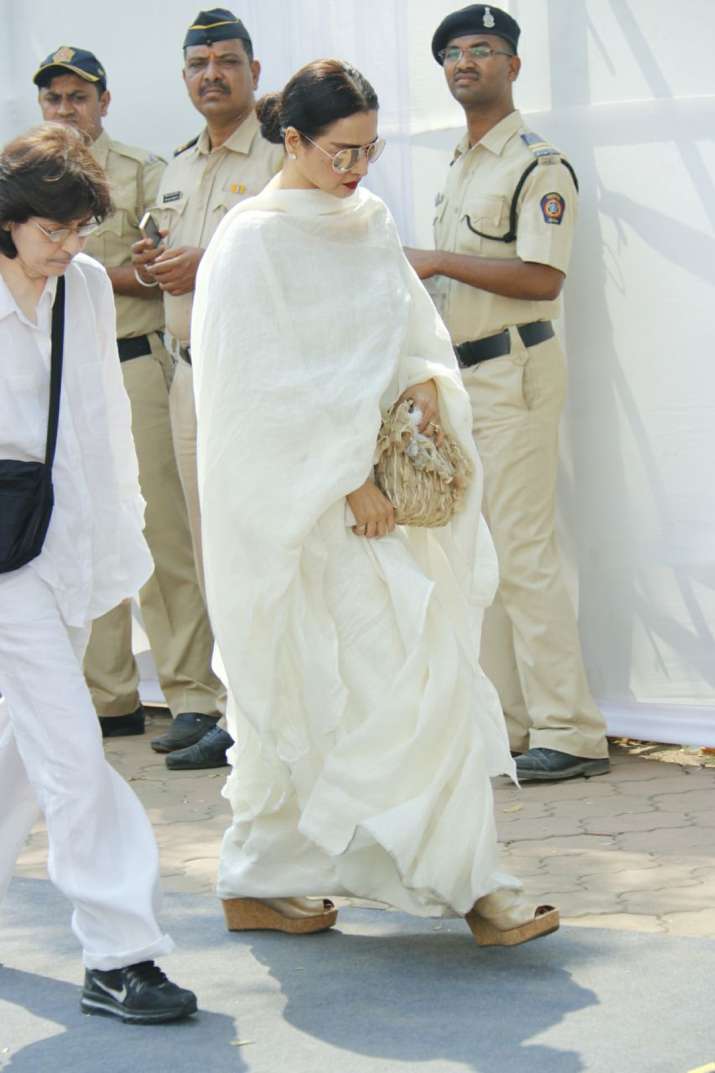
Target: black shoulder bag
{"points": [[26, 494]]}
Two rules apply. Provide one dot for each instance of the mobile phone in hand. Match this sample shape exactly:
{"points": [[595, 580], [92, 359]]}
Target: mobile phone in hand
{"points": [[149, 229]]}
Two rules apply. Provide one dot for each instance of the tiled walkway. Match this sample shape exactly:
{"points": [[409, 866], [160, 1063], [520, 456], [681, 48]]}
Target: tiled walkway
{"points": [[632, 850]]}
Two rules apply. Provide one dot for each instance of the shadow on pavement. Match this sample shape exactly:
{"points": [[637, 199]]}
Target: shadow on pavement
{"points": [[76, 1041], [427, 996]]}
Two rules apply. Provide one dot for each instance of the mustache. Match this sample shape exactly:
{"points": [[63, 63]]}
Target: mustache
{"points": [[221, 86]]}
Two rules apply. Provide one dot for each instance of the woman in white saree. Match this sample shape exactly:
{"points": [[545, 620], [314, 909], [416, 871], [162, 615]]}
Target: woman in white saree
{"points": [[367, 733]]}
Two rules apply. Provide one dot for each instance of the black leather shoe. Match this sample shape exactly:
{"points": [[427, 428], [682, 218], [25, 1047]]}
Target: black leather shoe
{"points": [[121, 726], [209, 752], [139, 994], [186, 729], [550, 765]]}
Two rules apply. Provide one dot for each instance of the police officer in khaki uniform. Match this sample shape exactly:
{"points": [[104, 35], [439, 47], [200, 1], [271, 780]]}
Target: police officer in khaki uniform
{"points": [[73, 90], [503, 233], [228, 162]]}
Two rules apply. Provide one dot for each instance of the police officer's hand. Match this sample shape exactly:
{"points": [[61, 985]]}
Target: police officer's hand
{"points": [[424, 262], [374, 513], [144, 253], [425, 398], [175, 269]]}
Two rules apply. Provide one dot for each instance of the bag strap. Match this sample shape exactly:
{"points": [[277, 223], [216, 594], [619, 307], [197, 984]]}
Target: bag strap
{"points": [[58, 337]]}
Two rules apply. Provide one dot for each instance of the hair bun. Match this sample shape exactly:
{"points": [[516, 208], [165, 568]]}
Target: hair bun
{"points": [[268, 110]]}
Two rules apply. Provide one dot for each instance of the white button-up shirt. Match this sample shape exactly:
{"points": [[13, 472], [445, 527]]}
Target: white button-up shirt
{"points": [[94, 553]]}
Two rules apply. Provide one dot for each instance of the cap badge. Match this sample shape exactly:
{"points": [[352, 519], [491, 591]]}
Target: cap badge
{"points": [[63, 55], [489, 21]]}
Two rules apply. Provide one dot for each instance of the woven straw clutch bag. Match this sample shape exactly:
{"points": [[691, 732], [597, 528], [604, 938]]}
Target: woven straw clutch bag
{"points": [[425, 483]]}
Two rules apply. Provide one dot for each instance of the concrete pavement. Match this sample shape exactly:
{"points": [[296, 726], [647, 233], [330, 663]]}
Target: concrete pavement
{"points": [[624, 987]]}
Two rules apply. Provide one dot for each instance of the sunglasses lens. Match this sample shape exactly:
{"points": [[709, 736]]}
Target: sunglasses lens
{"points": [[345, 160], [374, 151]]}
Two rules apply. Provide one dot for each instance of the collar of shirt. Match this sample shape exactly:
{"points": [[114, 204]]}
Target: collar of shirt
{"points": [[496, 137], [241, 141], [8, 304]]}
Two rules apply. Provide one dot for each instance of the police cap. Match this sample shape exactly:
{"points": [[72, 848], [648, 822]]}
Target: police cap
{"points": [[78, 61], [475, 19], [218, 24]]}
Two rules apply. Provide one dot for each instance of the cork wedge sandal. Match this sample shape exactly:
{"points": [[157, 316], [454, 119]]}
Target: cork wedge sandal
{"points": [[544, 922], [251, 914]]}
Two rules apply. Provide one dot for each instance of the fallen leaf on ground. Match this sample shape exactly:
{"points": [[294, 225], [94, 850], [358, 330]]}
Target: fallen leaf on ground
{"points": [[513, 808]]}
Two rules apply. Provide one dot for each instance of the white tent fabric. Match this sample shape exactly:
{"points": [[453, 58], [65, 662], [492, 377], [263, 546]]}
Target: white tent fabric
{"points": [[625, 87]]}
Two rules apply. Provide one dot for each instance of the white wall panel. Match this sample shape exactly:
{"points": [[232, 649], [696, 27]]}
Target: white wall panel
{"points": [[626, 88]]}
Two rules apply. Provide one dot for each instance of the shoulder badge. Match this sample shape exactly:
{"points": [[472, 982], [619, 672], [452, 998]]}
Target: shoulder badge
{"points": [[186, 145], [553, 208]]}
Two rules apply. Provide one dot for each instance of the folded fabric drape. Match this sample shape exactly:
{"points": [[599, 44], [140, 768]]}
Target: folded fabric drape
{"points": [[367, 732]]}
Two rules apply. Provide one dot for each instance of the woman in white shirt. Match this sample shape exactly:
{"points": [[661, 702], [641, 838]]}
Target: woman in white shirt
{"points": [[367, 732], [102, 852]]}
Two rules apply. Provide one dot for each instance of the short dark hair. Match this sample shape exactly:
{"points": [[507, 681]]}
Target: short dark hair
{"points": [[316, 96], [50, 172], [46, 77]]}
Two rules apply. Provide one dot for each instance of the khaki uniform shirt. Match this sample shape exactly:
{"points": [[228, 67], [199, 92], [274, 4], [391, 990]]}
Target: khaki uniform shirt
{"points": [[199, 186], [134, 176], [480, 185]]}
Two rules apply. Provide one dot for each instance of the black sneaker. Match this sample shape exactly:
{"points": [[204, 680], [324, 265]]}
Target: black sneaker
{"points": [[210, 751], [139, 994]]}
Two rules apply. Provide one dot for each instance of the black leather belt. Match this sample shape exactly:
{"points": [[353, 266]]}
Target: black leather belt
{"points": [[496, 346], [136, 347]]}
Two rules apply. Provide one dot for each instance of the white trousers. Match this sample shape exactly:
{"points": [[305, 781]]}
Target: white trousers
{"points": [[102, 852]]}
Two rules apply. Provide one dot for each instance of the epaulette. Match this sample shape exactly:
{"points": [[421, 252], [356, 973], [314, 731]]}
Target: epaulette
{"points": [[186, 145], [545, 153], [133, 152], [540, 148]]}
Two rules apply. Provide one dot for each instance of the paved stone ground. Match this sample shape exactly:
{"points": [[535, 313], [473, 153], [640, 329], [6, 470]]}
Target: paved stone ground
{"points": [[633, 850], [624, 987]]}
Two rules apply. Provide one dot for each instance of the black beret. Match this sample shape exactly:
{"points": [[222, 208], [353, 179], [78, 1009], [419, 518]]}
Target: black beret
{"points": [[77, 61], [475, 19], [218, 24]]}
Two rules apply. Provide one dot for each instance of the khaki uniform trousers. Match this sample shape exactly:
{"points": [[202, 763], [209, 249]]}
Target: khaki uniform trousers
{"points": [[172, 604], [530, 645], [184, 430]]}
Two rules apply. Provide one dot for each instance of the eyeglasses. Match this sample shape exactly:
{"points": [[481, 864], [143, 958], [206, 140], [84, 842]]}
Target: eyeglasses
{"points": [[61, 234], [346, 159], [453, 54]]}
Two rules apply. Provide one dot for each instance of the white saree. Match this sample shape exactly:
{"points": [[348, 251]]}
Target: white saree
{"points": [[366, 731]]}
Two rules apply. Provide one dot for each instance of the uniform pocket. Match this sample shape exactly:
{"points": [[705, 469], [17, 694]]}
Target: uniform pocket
{"points": [[232, 193], [111, 243], [487, 214], [169, 215], [545, 376]]}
